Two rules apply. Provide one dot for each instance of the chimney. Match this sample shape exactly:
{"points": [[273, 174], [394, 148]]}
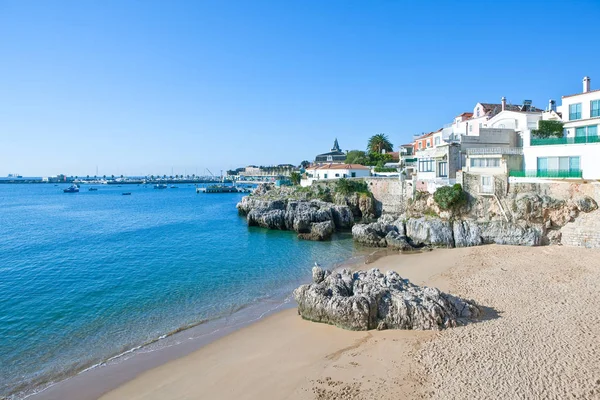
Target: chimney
{"points": [[552, 105], [503, 103], [586, 84]]}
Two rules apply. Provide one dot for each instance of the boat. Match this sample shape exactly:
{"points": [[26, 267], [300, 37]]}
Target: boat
{"points": [[71, 189], [126, 193], [218, 189], [160, 186], [92, 189]]}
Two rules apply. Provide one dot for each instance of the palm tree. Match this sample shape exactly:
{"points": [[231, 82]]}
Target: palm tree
{"points": [[379, 142], [295, 177]]}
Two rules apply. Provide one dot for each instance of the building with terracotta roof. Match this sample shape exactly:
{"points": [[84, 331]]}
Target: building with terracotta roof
{"points": [[334, 171]]}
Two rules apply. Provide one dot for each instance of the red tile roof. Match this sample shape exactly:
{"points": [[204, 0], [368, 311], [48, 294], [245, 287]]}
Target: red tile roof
{"points": [[340, 166]]}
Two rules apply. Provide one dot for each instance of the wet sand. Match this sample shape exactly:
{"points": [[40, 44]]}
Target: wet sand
{"points": [[539, 339]]}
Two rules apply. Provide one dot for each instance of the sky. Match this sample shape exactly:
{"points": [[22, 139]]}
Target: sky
{"points": [[161, 87]]}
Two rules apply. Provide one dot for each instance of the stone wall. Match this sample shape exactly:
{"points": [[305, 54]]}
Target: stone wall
{"points": [[389, 194], [583, 231]]}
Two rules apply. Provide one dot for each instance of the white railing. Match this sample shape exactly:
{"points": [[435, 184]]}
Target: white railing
{"points": [[495, 150]]}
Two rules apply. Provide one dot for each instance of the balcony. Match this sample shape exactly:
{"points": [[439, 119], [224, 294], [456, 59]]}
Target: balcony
{"points": [[409, 162], [561, 174], [564, 140], [494, 151]]}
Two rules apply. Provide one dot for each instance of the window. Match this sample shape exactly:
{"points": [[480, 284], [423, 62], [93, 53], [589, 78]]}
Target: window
{"points": [[563, 164], [437, 141], [426, 165], [325, 176], [329, 158], [586, 132], [485, 162], [353, 174], [420, 145], [595, 108], [428, 143], [337, 175], [470, 128], [443, 169], [574, 111], [477, 112]]}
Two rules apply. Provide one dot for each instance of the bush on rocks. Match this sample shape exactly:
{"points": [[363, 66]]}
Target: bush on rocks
{"points": [[448, 197]]}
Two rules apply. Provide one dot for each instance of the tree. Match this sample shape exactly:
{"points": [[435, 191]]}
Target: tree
{"points": [[379, 142], [305, 164], [548, 129], [356, 157], [295, 178]]}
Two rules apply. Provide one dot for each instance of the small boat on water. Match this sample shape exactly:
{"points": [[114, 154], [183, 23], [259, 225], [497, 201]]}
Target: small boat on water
{"points": [[173, 187], [160, 186], [220, 189], [92, 189], [126, 193], [71, 189]]}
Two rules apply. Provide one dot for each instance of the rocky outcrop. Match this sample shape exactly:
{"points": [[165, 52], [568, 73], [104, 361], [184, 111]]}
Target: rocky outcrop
{"points": [[362, 205], [313, 220], [366, 300], [319, 231], [435, 232], [432, 231]]}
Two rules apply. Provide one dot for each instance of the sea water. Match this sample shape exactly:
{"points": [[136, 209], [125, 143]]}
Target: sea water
{"points": [[87, 276]]}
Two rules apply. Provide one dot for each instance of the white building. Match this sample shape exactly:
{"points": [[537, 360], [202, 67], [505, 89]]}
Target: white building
{"points": [[577, 153], [334, 171]]}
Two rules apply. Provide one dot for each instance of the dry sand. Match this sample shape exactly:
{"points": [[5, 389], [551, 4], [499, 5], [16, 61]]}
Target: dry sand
{"points": [[539, 340]]}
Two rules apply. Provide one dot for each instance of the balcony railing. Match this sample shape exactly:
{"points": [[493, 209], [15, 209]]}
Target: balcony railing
{"points": [[564, 140], [572, 173], [494, 150]]}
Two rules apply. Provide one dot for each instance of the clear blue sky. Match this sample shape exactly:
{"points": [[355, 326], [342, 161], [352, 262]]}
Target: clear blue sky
{"points": [[145, 86]]}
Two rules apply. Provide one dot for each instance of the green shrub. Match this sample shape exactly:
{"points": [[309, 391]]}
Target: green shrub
{"points": [[346, 186], [448, 197], [385, 169], [549, 129]]}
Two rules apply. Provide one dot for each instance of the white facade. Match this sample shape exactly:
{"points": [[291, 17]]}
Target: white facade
{"points": [[581, 111], [577, 154], [333, 172]]}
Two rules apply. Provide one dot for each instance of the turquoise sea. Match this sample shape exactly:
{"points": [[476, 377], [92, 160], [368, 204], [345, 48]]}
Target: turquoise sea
{"points": [[87, 276]]}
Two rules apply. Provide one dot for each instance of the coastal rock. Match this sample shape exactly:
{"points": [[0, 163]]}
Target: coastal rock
{"points": [[396, 241], [319, 231], [311, 219], [319, 274], [362, 205], [500, 232], [366, 300], [466, 234], [373, 234], [431, 231]]}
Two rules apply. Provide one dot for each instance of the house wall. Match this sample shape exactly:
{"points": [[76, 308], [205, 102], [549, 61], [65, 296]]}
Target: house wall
{"points": [[508, 162], [423, 142], [588, 153], [389, 194], [490, 137], [584, 99]]}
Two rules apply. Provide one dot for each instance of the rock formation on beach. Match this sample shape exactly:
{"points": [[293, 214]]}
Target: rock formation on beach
{"points": [[405, 234], [366, 300], [297, 210]]}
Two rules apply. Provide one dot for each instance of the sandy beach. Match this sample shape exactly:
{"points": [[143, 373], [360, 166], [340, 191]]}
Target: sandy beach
{"points": [[539, 339]]}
